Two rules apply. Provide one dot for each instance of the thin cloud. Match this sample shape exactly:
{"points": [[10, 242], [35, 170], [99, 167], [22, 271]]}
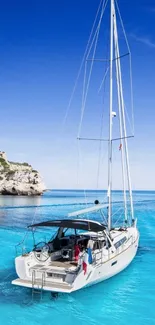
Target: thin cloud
{"points": [[144, 40]]}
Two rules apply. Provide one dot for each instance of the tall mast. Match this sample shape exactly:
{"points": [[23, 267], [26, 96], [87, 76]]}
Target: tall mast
{"points": [[120, 114], [110, 117], [119, 78]]}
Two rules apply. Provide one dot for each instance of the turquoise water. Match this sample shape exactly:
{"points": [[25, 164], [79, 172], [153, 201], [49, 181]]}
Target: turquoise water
{"points": [[127, 298]]}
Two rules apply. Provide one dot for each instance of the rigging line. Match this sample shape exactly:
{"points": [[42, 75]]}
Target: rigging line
{"points": [[131, 94], [101, 130], [130, 65], [103, 83], [91, 45], [34, 221], [85, 92], [102, 117], [78, 170], [103, 217], [23, 240], [126, 112], [85, 74], [106, 60], [118, 218], [109, 192], [81, 65], [120, 115], [116, 212], [92, 139], [124, 131], [84, 85], [121, 138], [123, 28], [91, 67], [103, 80], [99, 165], [120, 120], [95, 34], [79, 163], [99, 161], [105, 140]]}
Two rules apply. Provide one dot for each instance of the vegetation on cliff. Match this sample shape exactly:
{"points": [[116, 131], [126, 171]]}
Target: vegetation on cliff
{"points": [[19, 178]]}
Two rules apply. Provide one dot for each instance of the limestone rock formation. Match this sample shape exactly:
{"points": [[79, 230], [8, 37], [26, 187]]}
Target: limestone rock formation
{"points": [[19, 178]]}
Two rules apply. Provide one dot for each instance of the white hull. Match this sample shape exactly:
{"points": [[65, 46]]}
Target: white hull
{"points": [[104, 267], [123, 260]]}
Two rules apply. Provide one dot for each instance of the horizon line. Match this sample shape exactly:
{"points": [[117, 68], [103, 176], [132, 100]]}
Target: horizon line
{"points": [[99, 190]]}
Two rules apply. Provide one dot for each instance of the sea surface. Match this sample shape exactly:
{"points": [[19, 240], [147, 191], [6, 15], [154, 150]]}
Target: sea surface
{"points": [[127, 298]]}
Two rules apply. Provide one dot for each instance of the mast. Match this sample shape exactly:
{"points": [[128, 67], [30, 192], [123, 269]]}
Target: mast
{"points": [[120, 114], [119, 78], [110, 118]]}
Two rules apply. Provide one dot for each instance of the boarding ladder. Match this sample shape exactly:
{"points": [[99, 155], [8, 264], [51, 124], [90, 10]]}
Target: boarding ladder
{"points": [[37, 285]]}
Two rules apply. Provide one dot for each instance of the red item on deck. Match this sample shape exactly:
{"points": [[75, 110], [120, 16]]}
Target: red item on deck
{"points": [[76, 252], [84, 267]]}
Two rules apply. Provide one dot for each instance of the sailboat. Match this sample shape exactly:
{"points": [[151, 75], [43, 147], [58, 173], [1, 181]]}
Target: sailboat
{"points": [[83, 251]]}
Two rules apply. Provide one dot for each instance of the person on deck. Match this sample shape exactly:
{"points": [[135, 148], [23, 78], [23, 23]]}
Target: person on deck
{"points": [[76, 252]]}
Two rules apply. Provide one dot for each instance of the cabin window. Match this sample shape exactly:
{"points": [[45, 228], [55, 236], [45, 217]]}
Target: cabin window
{"points": [[120, 242], [98, 244], [68, 232]]}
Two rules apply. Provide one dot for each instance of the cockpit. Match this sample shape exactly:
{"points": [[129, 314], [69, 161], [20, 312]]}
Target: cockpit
{"points": [[69, 243]]}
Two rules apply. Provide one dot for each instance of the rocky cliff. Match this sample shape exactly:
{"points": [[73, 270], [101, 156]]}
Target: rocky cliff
{"points": [[19, 178]]}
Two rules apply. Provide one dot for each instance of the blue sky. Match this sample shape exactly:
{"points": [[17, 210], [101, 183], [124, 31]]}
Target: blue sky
{"points": [[41, 47]]}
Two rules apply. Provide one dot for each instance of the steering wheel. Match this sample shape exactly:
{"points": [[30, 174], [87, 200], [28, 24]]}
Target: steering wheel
{"points": [[43, 248]]}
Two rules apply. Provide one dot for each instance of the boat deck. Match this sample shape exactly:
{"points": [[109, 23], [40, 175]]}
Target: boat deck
{"points": [[48, 286], [63, 263]]}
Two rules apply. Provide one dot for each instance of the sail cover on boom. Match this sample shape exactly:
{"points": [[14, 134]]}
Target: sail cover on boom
{"points": [[97, 207]]}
